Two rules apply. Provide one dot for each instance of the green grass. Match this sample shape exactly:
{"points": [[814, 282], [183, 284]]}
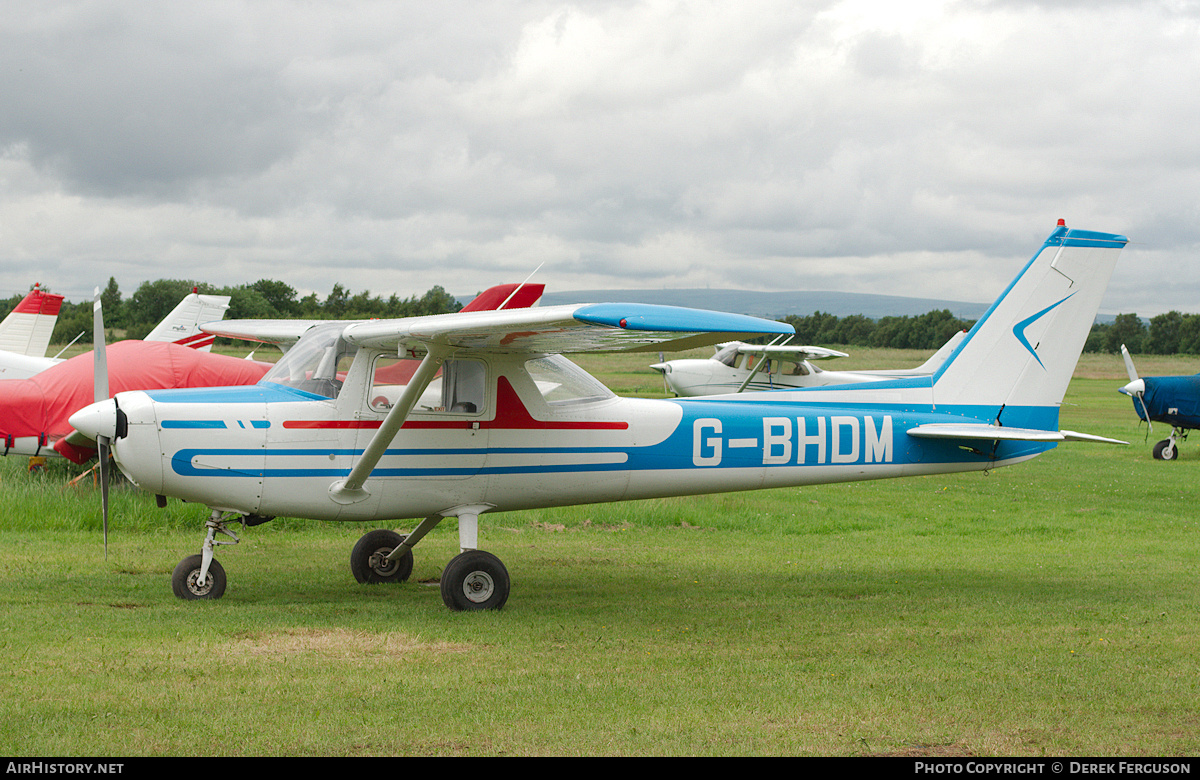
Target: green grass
{"points": [[1045, 609]]}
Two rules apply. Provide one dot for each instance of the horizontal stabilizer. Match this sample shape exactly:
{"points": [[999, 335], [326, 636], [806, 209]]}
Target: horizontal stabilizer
{"points": [[981, 432]]}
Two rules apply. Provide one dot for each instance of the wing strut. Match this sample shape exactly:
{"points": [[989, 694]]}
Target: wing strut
{"points": [[766, 359], [350, 490]]}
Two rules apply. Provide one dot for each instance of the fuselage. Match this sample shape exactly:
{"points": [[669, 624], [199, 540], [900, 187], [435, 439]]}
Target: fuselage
{"points": [[1174, 400], [691, 377], [510, 432]]}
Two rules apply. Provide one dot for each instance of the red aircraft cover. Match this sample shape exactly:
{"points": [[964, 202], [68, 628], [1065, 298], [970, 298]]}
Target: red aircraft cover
{"points": [[42, 404]]}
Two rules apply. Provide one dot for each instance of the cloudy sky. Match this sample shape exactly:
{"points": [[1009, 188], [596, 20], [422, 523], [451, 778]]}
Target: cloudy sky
{"points": [[915, 148]]}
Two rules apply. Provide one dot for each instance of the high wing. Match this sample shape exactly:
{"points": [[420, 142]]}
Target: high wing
{"points": [[600, 327], [790, 353], [285, 333], [281, 333]]}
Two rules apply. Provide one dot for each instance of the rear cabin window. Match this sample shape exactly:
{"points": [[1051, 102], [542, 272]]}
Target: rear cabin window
{"points": [[563, 383]]}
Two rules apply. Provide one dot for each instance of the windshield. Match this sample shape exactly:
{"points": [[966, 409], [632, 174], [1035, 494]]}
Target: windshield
{"points": [[318, 362], [728, 354]]}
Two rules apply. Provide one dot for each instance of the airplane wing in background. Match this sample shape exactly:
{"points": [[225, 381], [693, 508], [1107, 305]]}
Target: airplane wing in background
{"points": [[791, 353]]}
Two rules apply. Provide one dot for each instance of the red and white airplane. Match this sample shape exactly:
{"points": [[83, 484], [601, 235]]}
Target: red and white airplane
{"points": [[27, 328], [34, 318]]}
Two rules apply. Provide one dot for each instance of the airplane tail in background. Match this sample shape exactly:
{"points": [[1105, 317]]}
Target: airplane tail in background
{"points": [[1023, 351], [27, 328], [506, 296], [182, 326]]}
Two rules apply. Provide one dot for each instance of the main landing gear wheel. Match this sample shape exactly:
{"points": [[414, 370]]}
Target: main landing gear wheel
{"points": [[475, 580], [185, 580], [1166, 450], [369, 563]]}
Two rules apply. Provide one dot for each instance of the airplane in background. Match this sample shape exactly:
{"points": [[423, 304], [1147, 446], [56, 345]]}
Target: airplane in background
{"points": [[27, 328], [518, 426], [181, 326], [1174, 400], [737, 367], [35, 411]]}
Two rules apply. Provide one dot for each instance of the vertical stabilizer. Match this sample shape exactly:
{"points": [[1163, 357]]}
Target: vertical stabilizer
{"points": [[182, 326], [1023, 351], [27, 328]]}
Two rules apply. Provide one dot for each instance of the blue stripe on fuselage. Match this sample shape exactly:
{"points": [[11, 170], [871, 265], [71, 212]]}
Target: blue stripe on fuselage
{"points": [[711, 434]]}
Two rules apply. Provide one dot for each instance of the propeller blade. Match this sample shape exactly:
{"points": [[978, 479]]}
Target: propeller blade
{"points": [[99, 359], [1145, 413], [102, 454], [1129, 369], [100, 387]]}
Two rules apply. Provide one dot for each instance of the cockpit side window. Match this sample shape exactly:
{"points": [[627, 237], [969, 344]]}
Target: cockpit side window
{"points": [[460, 386]]}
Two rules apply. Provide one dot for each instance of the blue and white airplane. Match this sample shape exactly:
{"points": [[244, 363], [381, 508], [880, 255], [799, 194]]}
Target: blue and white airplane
{"points": [[494, 419], [1174, 400]]}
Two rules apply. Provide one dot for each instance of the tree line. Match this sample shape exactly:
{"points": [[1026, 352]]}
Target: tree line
{"points": [[1166, 334], [265, 299], [1172, 333]]}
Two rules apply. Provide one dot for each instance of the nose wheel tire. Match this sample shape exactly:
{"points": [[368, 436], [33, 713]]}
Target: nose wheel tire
{"points": [[475, 580], [1166, 450], [186, 582], [368, 559]]}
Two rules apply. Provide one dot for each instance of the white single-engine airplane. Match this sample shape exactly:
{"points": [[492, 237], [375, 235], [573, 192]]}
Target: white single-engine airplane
{"points": [[327, 434], [737, 367]]}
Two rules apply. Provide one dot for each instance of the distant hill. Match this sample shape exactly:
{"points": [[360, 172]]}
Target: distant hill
{"points": [[773, 305]]}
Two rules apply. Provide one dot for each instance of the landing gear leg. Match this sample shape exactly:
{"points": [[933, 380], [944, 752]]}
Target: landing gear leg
{"points": [[201, 576], [1168, 449], [474, 579]]}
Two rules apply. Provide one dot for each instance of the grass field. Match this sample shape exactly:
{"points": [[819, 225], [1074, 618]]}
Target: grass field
{"points": [[1050, 608]]}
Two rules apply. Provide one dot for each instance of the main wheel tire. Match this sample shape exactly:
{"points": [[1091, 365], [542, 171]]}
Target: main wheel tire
{"points": [[368, 561], [1165, 451], [475, 580], [185, 580]]}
